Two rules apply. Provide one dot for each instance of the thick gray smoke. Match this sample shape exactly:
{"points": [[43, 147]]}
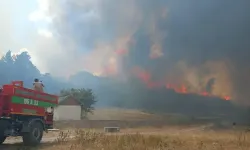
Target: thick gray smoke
{"points": [[176, 41]]}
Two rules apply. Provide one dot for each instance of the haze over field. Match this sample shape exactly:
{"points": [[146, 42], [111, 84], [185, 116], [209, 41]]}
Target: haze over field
{"points": [[123, 49]]}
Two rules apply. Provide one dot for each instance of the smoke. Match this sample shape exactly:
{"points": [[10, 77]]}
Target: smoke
{"points": [[180, 42], [7, 37]]}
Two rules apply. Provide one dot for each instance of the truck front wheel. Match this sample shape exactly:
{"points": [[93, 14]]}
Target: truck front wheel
{"points": [[35, 134], [2, 139]]}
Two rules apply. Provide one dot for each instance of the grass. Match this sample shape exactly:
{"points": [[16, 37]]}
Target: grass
{"points": [[137, 115], [121, 114], [154, 137], [188, 140], [146, 135]]}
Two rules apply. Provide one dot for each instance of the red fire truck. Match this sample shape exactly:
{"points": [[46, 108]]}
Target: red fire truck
{"points": [[25, 112]]}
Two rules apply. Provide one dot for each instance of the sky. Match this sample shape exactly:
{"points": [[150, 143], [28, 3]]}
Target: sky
{"points": [[26, 27], [21, 25], [35, 26]]}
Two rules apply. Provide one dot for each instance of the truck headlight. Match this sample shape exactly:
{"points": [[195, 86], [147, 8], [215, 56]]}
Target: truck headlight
{"points": [[49, 109]]}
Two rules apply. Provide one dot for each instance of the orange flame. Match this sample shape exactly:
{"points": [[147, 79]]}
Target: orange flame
{"points": [[145, 77]]}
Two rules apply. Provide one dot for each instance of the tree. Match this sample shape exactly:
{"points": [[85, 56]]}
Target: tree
{"points": [[22, 63], [7, 68], [85, 96]]}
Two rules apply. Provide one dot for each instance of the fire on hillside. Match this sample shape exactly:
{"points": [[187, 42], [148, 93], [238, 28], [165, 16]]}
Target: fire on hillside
{"points": [[146, 78]]}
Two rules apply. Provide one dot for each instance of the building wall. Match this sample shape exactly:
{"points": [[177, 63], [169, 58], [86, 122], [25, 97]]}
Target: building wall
{"points": [[67, 112]]}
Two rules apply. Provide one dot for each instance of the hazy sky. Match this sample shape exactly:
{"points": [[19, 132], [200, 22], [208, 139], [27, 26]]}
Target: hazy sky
{"points": [[22, 25], [35, 26]]}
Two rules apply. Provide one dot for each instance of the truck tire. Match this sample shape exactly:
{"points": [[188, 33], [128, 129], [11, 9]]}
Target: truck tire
{"points": [[2, 139], [3, 126], [35, 134]]}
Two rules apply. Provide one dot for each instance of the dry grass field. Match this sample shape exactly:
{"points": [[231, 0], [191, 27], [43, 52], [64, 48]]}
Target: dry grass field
{"points": [[185, 141], [121, 114], [155, 135], [168, 138]]}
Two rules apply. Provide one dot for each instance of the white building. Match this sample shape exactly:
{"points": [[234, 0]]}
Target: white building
{"points": [[68, 109]]}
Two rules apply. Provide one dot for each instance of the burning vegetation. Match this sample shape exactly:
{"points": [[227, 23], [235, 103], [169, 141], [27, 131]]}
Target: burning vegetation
{"points": [[146, 78], [206, 80]]}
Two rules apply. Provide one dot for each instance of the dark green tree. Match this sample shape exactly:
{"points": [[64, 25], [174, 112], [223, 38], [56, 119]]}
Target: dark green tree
{"points": [[86, 98]]}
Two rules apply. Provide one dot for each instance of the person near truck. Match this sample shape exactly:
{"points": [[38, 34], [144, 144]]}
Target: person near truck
{"points": [[38, 85]]}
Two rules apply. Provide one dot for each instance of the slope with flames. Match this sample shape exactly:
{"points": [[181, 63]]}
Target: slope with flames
{"points": [[179, 78], [142, 92], [146, 78]]}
